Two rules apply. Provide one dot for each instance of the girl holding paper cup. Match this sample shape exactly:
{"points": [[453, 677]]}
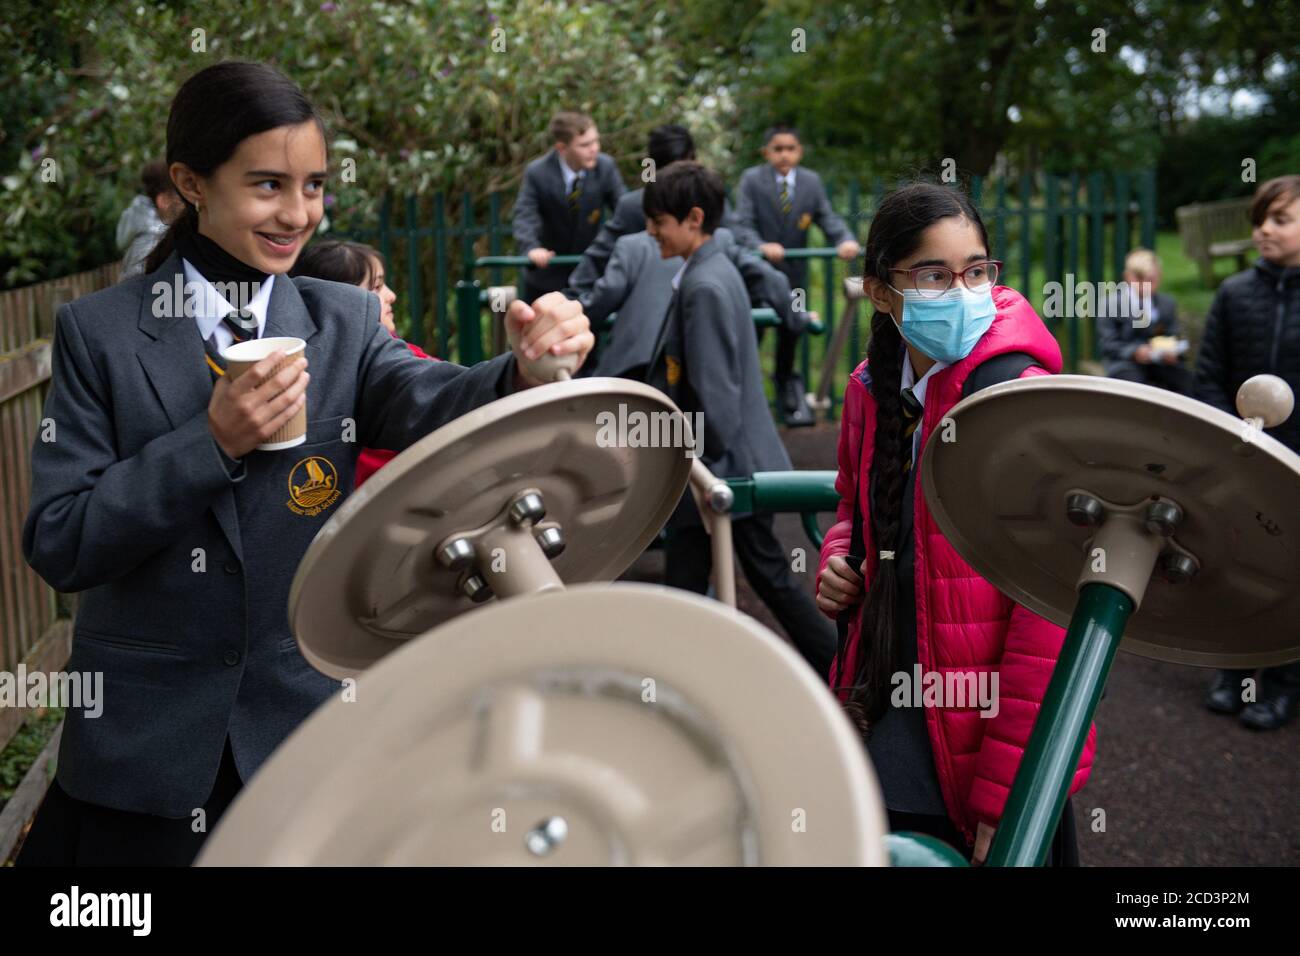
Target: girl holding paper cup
{"points": [[152, 500]]}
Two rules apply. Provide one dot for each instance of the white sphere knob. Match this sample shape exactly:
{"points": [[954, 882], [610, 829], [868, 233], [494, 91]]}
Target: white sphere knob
{"points": [[1265, 397]]}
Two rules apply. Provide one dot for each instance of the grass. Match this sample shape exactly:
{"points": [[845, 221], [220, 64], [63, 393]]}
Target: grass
{"points": [[21, 752]]}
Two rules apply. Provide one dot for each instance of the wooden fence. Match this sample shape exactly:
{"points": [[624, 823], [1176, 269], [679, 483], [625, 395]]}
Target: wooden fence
{"points": [[33, 617]]}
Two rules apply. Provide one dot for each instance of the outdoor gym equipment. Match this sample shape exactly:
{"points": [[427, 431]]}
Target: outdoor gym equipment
{"points": [[560, 722], [1120, 511]]}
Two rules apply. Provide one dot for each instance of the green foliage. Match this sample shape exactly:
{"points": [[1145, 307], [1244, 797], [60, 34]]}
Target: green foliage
{"points": [[454, 95], [422, 95], [888, 88], [21, 752], [1203, 162]]}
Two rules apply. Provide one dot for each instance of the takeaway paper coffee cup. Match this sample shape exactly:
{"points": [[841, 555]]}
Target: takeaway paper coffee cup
{"points": [[242, 356]]}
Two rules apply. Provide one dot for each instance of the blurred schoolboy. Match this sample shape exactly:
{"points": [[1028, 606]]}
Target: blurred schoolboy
{"points": [[779, 200], [707, 362], [1254, 326], [562, 200]]}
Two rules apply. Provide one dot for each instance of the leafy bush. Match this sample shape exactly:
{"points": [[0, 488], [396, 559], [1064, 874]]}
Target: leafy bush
{"points": [[422, 96]]}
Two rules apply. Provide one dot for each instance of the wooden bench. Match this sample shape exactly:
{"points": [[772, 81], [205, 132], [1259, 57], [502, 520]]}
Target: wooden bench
{"points": [[1215, 230]]}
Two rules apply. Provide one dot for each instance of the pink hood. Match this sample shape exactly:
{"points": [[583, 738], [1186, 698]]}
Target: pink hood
{"points": [[963, 623]]}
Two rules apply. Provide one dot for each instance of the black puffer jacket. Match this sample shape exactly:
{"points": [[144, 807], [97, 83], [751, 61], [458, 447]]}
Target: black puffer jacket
{"points": [[1253, 327]]}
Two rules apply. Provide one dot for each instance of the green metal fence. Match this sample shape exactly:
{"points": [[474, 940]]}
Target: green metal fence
{"points": [[1044, 227]]}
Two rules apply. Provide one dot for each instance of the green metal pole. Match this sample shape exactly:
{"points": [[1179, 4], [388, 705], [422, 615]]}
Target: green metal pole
{"points": [[1026, 230], [469, 326], [1073, 268], [386, 230], [494, 235], [1148, 204], [1000, 222], [1043, 781], [1121, 223], [855, 334], [440, 274], [1051, 235], [413, 267]]}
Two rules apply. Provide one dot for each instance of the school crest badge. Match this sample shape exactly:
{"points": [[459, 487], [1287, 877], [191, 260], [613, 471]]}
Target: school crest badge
{"points": [[313, 486], [674, 369], [594, 217], [805, 221]]}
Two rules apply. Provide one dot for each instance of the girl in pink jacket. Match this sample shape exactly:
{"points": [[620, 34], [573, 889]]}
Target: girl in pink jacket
{"points": [[942, 672]]}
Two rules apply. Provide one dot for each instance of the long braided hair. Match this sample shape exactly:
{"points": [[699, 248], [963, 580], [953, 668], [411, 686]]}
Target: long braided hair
{"points": [[896, 232]]}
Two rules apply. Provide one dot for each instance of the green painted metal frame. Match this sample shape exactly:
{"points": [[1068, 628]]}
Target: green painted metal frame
{"points": [[1043, 781], [805, 492], [907, 849], [1111, 204]]}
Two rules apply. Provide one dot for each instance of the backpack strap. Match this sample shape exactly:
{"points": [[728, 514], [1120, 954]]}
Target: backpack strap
{"points": [[1006, 367]]}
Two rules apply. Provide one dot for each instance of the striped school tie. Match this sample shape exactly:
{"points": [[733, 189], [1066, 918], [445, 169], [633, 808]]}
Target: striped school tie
{"points": [[242, 325], [575, 195], [911, 419], [786, 205]]}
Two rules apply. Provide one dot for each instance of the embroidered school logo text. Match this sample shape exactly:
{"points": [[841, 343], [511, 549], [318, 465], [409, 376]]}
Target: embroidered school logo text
{"points": [[313, 486]]}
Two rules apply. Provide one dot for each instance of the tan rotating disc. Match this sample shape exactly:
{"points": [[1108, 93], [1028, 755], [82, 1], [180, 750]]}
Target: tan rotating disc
{"points": [[998, 492], [603, 724], [370, 580]]}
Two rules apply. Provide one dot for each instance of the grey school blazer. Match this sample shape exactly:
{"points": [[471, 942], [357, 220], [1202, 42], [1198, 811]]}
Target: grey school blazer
{"points": [[759, 208], [542, 218], [707, 361], [184, 557], [629, 217], [637, 284]]}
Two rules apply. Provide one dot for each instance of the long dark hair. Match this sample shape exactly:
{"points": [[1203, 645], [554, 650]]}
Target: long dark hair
{"points": [[214, 111], [896, 233]]}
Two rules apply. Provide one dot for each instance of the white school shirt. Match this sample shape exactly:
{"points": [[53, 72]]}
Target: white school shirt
{"points": [[677, 276], [918, 390], [569, 176], [789, 179], [1135, 300], [211, 307]]}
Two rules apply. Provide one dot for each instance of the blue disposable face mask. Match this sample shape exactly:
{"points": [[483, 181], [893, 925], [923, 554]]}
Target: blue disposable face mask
{"points": [[947, 327]]}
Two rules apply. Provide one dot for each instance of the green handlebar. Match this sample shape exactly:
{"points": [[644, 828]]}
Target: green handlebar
{"points": [[795, 491], [806, 492], [483, 262], [813, 252], [917, 849]]}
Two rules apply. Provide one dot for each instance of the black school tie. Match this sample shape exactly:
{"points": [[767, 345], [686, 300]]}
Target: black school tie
{"points": [[242, 325], [911, 419], [575, 195]]}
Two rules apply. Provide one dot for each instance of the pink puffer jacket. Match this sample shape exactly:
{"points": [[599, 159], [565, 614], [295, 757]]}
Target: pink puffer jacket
{"points": [[963, 623]]}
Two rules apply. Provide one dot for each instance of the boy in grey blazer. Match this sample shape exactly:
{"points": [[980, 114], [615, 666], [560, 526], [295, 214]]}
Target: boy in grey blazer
{"points": [[183, 555], [637, 284], [779, 200], [707, 362], [562, 200], [1124, 330]]}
